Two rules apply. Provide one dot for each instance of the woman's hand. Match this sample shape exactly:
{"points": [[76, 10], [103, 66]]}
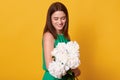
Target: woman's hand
{"points": [[76, 71]]}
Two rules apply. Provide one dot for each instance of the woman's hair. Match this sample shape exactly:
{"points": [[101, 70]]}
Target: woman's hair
{"points": [[57, 6]]}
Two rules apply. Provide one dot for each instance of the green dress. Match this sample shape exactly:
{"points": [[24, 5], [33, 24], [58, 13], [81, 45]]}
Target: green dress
{"points": [[47, 75]]}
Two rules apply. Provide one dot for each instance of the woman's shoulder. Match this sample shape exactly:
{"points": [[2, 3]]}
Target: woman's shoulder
{"points": [[48, 36]]}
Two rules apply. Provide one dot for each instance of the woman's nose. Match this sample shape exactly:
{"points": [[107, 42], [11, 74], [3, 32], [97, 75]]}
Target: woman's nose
{"points": [[60, 21]]}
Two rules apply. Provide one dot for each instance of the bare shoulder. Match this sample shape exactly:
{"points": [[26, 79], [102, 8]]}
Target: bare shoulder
{"points": [[48, 36]]}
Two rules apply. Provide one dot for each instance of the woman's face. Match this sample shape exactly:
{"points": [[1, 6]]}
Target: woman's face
{"points": [[58, 19]]}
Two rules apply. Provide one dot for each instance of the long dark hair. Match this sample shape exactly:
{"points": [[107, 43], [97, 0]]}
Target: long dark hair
{"points": [[57, 6]]}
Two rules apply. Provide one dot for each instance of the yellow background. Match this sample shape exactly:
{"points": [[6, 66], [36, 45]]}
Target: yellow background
{"points": [[94, 24]]}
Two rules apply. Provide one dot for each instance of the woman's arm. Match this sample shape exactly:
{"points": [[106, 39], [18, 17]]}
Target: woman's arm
{"points": [[76, 71], [48, 43]]}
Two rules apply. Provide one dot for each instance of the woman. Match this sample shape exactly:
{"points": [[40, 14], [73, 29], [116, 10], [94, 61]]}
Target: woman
{"points": [[55, 31]]}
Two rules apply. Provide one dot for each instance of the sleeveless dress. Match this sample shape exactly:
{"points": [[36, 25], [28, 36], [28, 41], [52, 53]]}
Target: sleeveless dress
{"points": [[47, 75]]}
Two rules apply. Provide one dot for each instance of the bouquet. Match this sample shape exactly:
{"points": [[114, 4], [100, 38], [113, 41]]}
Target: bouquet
{"points": [[66, 57]]}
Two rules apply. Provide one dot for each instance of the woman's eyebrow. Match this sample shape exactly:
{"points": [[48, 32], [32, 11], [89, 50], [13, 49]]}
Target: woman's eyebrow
{"points": [[60, 17], [55, 17]]}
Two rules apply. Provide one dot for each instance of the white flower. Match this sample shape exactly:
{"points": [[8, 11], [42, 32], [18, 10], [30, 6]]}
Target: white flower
{"points": [[56, 69], [66, 57], [73, 62], [73, 47]]}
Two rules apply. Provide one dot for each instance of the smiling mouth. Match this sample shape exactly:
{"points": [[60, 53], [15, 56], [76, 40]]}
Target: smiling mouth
{"points": [[60, 25]]}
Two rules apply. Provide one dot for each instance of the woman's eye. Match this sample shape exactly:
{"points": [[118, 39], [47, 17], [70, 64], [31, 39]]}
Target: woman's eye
{"points": [[55, 18], [63, 18]]}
